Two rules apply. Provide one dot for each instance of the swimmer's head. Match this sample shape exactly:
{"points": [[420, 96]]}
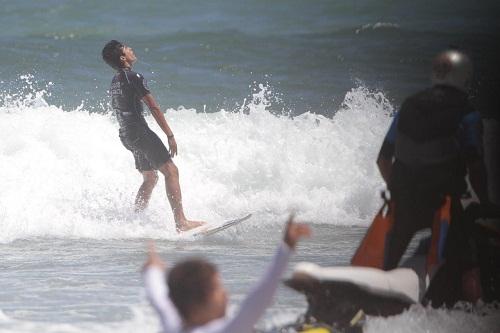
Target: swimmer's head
{"points": [[118, 55], [197, 292], [452, 68]]}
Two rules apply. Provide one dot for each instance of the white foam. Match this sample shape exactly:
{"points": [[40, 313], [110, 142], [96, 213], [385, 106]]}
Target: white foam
{"points": [[420, 319], [378, 25], [142, 320], [66, 174]]}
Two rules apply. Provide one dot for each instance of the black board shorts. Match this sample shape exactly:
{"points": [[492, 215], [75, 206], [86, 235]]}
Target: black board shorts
{"points": [[149, 151]]}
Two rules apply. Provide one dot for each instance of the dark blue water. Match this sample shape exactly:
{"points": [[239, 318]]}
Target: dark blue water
{"points": [[212, 54]]}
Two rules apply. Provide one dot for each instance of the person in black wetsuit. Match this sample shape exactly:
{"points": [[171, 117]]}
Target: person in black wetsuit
{"points": [[434, 141], [128, 90]]}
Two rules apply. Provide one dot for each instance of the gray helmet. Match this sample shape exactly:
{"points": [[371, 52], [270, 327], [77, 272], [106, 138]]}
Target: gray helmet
{"points": [[452, 68]]}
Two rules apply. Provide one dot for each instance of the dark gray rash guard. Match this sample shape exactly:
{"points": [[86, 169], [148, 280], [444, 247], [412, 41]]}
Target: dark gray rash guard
{"points": [[127, 90]]}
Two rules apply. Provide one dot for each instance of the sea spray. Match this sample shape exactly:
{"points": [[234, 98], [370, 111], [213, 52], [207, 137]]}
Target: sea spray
{"points": [[65, 173]]}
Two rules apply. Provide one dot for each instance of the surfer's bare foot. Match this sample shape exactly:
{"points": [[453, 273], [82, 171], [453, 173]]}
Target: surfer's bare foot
{"points": [[188, 225]]}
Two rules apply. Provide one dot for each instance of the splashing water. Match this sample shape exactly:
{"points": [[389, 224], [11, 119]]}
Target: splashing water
{"points": [[65, 173]]}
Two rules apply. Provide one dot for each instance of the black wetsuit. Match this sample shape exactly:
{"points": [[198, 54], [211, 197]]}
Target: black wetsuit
{"points": [[431, 137], [127, 90]]}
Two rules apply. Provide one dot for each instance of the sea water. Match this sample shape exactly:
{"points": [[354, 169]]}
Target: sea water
{"points": [[72, 246], [276, 107]]}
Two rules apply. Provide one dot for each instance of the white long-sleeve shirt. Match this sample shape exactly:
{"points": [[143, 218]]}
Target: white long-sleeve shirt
{"points": [[252, 308]]}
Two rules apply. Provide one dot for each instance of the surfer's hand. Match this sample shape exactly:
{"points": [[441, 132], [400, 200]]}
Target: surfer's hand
{"points": [[172, 145], [295, 231], [153, 258]]}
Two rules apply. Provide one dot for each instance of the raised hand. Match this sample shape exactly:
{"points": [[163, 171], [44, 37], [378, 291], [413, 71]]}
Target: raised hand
{"points": [[153, 257], [295, 231]]}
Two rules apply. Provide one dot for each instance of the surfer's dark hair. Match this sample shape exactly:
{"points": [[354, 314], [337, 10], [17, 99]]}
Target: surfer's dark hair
{"points": [[190, 283], [112, 52]]}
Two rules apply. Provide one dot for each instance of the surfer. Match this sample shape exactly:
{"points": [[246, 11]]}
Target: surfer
{"points": [[128, 90], [433, 142], [193, 299]]}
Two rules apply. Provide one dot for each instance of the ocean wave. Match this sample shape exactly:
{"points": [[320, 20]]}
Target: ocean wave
{"points": [[480, 318], [377, 26], [65, 173]]}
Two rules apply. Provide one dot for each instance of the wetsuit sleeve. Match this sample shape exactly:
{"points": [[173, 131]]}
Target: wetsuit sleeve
{"points": [[387, 149], [140, 85], [157, 293], [470, 135], [256, 303]]}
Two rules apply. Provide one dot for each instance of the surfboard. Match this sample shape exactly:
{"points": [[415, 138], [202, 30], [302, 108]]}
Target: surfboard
{"points": [[211, 229]]}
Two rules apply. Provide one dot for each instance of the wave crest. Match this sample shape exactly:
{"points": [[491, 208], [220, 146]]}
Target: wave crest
{"points": [[66, 174]]}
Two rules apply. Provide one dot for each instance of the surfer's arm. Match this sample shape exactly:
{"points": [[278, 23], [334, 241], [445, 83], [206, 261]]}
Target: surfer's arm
{"points": [[162, 122], [386, 153], [385, 168], [157, 294], [257, 301], [470, 137], [261, 296]]}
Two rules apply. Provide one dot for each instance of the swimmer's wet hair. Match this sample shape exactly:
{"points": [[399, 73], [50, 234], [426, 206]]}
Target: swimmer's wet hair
{"points": [[190, 283], [112, 52]]}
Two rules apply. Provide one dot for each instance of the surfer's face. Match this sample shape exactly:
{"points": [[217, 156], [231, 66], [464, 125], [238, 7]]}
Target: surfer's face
{"points": [[128, 56]]}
